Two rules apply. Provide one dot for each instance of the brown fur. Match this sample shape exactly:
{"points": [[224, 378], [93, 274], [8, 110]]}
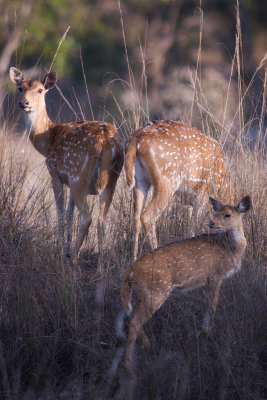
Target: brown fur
{"points": [[85, 156], [185, 264], [172, 157]]}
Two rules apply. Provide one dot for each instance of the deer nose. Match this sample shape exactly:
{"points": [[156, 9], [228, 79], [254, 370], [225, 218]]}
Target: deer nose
{"points": [[211, 224], [24, 103]]}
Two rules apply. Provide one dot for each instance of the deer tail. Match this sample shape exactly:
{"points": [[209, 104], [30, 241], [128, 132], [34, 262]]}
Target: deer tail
{"points": [[130, 157], [105, 166], [120, 326]]}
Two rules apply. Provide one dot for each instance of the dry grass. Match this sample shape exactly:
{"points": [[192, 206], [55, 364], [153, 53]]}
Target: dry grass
{"points": [[52, 343]]}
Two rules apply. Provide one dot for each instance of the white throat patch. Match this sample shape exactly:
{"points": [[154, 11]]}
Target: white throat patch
{"points": [[30, 120], [238, 236]]}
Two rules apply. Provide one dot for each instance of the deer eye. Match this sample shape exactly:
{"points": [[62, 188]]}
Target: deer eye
{"points": [[39, 90], [227, 216]]}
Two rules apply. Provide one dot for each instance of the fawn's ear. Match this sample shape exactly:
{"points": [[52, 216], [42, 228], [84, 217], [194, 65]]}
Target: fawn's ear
{"points": [[216, 205], [16, 76], [244, 205], [50, 80]]}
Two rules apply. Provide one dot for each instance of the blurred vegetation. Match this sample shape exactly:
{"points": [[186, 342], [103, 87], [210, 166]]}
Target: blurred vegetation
{"points": [[167, 30]]}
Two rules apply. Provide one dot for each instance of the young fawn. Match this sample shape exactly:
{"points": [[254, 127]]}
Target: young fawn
{"points": [[171, 157], [85, 156], [186, 264]]}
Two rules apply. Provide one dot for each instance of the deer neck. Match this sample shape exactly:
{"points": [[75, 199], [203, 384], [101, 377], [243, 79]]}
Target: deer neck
{"points": [[39, 127], [237, 240]]}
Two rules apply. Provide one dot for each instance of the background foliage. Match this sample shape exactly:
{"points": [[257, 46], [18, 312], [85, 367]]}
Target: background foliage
{"points": [[163, 34]]}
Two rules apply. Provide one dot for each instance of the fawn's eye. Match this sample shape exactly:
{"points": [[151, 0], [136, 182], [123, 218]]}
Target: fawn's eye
{"points": [[227, 216], [39, 90]]}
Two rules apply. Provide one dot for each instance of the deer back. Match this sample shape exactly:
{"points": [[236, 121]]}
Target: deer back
{"points": [[176, 153], [84, 151]]}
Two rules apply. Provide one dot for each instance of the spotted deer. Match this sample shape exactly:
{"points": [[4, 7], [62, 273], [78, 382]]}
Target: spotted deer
{"points": [[186, 264], [85, 156], [171, 157]]}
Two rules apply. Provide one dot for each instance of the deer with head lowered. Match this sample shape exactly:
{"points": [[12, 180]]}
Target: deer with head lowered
{"points": [[85, 156], [187, 264], [171, 157]]}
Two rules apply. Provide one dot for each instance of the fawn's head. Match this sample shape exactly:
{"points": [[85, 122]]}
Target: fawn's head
{"points": [[32, 91], [227, 217]]}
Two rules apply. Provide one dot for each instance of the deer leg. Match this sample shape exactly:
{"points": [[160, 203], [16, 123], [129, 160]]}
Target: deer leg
{"points": [[199, 203], [152, 212], [222, 181], [85, 222], [80, 200], [100, 233], [69, 219], [143, 310], [140, 317], [214, 290], [100, 286], [105, 202], [143, 339], [139, 200], [59, 198]]}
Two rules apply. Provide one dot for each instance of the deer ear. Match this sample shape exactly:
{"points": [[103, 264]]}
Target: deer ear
{"points": [[244, 205], [16, 76], [216, 205], [50, 80]]}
